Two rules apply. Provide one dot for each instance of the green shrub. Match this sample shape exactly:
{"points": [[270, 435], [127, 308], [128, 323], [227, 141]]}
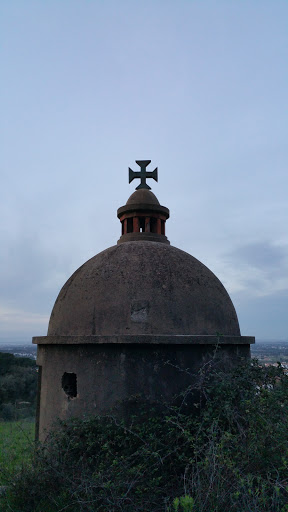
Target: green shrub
{"points": [[223, 449], [18, 387], [7, 412], [184, 504]]}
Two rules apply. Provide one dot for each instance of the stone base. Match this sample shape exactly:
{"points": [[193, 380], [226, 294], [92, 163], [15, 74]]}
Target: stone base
{"points": [[89, 375]]}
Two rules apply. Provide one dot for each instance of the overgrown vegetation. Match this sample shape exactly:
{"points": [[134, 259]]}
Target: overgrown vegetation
{"points": [[18, 385], [222, 447]]}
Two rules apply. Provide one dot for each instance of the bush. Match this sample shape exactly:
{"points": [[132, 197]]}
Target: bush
{"points": [[224, 448], [18, 386], [7, 412]]}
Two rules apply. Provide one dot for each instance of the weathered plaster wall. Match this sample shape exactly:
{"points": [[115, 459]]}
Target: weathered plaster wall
{"points": [[108, 374]]}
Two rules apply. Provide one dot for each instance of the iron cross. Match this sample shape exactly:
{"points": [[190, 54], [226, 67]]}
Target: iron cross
{"points": [[143, 175]]}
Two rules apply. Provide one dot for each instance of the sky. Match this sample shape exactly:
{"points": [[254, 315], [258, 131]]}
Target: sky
{"points": [[197, 87]]}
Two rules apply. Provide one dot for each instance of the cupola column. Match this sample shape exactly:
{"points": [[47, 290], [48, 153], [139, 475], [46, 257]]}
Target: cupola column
{"points": [[159, 226], [147, 225], [136, 224]]}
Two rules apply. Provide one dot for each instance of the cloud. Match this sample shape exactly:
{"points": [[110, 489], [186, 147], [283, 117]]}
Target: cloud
{"points": [[30, 278], [255, 269], [262, 255], [265, 317], [21, 321], [256, 277]]}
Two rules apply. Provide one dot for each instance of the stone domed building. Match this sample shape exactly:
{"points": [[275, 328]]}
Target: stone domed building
{"points": [[126, 313]]}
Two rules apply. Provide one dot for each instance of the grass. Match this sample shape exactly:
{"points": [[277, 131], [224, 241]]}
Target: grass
{"points": [[16, 447]]}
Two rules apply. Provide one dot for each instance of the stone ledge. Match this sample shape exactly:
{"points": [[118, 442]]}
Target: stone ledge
{"points": [[143, 237], [142, 207], [144, 339]]}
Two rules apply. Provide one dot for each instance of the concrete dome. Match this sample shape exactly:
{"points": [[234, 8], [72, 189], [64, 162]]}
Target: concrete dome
{"points": [[143, 196], [143, 288]]}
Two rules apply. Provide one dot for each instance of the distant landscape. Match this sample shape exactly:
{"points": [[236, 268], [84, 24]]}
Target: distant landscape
{"points": [[26, 349], [271, 352]]}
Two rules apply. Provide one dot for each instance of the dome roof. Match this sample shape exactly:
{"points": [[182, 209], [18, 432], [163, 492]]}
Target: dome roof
{"points": [[142, 196], [143, 288]]}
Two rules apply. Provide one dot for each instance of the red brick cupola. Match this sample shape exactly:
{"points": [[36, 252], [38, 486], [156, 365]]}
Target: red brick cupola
{"points": [[143, 218]]}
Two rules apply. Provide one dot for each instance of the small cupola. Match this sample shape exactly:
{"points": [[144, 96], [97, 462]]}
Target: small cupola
{"points": [[143, 218]]}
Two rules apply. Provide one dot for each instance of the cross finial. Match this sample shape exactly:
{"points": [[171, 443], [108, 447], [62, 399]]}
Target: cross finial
{"points": [[143, 174]]}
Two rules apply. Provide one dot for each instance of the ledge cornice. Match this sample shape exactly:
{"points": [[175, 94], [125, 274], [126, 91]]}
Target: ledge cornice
{"points": [[144, 339]]}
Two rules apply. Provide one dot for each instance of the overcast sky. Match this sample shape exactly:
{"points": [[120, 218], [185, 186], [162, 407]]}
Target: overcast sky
{"points": [[198, 87]]}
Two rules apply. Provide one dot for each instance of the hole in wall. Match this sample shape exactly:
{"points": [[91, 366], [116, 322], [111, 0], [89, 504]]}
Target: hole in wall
{"points": [[69, 384]]}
